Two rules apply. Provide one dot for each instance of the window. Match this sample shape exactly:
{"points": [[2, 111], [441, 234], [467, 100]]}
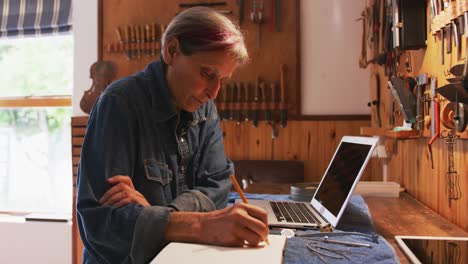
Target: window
{"points": [[35, 113]]}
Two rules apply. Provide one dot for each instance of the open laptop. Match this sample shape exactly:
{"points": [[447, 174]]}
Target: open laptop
{"points": [[333, 193]]}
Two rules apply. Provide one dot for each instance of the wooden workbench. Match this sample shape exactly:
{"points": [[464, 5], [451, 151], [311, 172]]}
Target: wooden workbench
{"points": [[406, 216], [392, 216]]}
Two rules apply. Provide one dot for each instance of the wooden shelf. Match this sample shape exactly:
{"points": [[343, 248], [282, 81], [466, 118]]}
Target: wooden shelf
{"points": [[377, 131], [373, 131], [407, 134], [409, 217]]}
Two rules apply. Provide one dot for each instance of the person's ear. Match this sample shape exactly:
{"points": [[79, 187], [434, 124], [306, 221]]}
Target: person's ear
{"points": [[171, 50]]}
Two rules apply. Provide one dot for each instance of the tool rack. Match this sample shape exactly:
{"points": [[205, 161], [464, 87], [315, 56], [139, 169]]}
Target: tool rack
{"points": [[130, 32]]}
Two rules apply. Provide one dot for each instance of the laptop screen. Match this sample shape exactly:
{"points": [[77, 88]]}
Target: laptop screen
{"points": [[341, 175]]}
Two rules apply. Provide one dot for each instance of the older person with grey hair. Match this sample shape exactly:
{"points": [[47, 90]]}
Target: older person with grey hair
{"points": [[153, 168]]}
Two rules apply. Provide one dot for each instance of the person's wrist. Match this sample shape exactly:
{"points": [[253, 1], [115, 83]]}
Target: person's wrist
{"points": [[185, 227]]}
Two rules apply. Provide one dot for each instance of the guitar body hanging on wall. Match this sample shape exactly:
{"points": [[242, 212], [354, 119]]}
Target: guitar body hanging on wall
{"points": [[102, 73]]}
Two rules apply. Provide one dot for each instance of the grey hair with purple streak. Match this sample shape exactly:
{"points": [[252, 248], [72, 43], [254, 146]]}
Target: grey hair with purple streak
{"points": [[202, 29]]}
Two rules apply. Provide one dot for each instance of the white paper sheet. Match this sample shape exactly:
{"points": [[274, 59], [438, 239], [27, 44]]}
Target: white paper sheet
{"points": [[206, 254]]}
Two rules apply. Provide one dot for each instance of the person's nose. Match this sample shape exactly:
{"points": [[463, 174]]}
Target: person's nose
{"points": [[213, 90]]}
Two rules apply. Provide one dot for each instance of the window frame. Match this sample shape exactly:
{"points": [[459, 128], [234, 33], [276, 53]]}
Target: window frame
{"points": [[36, 101]]}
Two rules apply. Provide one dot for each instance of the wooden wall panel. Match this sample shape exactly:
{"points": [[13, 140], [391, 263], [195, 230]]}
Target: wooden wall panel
{"points": [[78, 131], [412, 169], [276, 48], [409, 165], [313, 142]]}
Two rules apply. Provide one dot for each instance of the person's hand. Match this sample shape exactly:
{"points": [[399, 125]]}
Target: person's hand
{"points": [[233, 225], [122, 193]]}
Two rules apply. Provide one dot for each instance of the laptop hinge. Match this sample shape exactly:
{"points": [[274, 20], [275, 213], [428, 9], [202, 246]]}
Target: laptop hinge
{"points": [[327, 227]]}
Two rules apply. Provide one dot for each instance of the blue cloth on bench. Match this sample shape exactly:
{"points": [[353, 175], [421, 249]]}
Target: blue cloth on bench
{"points": [[356, 218]]}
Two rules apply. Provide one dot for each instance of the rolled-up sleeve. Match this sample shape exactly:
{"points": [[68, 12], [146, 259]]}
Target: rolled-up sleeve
{"points": [[129, 234]]}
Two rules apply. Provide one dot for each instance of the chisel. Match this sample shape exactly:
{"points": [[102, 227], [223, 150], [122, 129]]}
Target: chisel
{"points": [[230, 107], [265, 102], [224, 102], [246, 101], [283, 104], [255, 103], [239, 103]]}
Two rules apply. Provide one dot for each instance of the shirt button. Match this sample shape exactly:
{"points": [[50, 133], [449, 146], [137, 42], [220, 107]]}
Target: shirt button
{"points": [[181, 139]]}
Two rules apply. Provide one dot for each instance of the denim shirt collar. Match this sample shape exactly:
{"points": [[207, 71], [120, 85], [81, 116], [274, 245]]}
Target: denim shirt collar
{"points": [[163, 103]]}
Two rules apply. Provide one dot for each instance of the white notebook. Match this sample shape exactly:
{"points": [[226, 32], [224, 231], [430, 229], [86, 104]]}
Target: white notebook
{"points": [[195, 253]]}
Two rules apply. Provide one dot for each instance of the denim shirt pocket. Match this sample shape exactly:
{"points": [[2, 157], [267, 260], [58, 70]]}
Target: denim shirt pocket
{"points": [[157, 171]]}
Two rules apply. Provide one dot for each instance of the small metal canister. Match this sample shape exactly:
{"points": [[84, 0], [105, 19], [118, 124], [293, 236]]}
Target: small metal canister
{"points": [[304, 191]]}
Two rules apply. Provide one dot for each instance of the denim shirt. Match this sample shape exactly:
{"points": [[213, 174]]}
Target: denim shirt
{"points": [[176, 160]]}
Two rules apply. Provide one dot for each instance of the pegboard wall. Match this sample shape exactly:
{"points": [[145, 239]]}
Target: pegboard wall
{"points": [[130, 33]]}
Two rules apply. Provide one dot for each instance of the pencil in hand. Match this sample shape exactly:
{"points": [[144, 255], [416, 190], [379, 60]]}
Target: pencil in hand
{"points": [[238, 188], [241, 194]]}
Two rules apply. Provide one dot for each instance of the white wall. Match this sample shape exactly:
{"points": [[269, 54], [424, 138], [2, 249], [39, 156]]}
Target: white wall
{"points": [[51, 242], [35, 242], [86, 48], [332, 82]]}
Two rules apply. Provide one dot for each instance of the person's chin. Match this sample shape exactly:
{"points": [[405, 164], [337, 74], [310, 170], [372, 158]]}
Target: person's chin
{"points": [[192, 107]]}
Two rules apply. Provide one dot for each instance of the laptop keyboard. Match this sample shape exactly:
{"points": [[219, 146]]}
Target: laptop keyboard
{"points": [[293, 212]]}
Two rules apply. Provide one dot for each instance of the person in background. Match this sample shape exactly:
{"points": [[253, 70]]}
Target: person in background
{"points": [[153, 168]]}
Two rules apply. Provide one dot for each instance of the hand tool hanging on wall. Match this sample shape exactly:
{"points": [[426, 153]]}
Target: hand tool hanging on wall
{"points": [[271, 108], [272, 105], [136, 29], [162, 28], [224, 105], [149, 40], [452, 179], [153, 38], [448, 35], [238, 103], [121, 42], [219, 103], [421, 82], [256, 16], [255, 104], [460, 116], [142, 40], [132, 41], [405, 99], [454, 116], [230, 90], [395, 25], [128, 37], [409, 67], [391, 112], [283, 104], [456, 37], [259, 22], [246, 104], [435, 122], [266, 110], [376, 25], [442, 45], [376, 102], [363, 56]]}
